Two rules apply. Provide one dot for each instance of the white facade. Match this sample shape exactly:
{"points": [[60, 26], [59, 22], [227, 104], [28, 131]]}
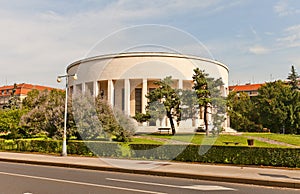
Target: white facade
{"points": [[124, 79]]}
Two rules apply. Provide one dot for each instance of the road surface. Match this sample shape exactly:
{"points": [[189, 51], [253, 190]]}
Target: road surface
{"points": [[33, 179]]}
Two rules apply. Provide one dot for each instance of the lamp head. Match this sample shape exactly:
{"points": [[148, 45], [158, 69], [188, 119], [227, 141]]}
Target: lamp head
{"points": [[58, 79], [75, 76]]}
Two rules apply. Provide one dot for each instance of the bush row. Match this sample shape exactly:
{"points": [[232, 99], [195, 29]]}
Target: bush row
{"points": [[284, 157]]}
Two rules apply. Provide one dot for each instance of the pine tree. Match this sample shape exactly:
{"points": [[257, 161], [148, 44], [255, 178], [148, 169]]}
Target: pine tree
{"points": [[168, 97], [293, 77], [203, 94]]}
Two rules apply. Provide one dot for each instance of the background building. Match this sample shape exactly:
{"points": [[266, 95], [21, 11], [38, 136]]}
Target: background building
{"points": [[250, 89], [21, 91], [124, 79]]}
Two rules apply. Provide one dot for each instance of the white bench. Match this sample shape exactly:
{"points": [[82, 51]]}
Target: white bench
{"points": [[160, 129]]}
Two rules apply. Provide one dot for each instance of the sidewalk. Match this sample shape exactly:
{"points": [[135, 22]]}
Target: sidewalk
{"points": [[236, 174]]}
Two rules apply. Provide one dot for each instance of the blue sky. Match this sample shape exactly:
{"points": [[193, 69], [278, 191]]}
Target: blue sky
{"points": [[258, 40]]}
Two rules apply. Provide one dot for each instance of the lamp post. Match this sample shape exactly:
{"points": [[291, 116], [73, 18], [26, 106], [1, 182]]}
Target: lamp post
{"points": [[64, 145]]}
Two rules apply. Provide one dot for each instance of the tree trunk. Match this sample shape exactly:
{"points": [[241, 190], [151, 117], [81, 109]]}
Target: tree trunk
{"points": [[169, 115], [205, 120]]}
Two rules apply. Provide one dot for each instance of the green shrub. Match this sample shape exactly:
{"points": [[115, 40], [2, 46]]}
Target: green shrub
{"points": [[285, 157], [241, 155], [43, 146], [94, 148]]}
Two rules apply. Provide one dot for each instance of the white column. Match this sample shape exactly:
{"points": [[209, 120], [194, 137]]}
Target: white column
{"points": [[74, 88], [144, 92], [96, 89], [127, 96], [180, 84], [110, 89], [83, 88]]}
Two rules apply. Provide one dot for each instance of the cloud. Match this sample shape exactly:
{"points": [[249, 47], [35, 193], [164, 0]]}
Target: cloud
{"points": [[258, 50], [37, 46], [291, 37], [282, 8]]}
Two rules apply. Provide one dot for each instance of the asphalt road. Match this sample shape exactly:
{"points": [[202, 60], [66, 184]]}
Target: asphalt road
{"points": [[26, 179]]}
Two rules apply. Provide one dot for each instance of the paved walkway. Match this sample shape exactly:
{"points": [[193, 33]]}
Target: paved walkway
{"points": [[278, 177], [270, 141]]}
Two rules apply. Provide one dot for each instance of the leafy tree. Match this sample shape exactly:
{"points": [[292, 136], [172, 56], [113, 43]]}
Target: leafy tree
{"points": [[203, 94], [126, 127], [293, 77], [86, 117], [46, 113], [114, 122], [156, 111], [34, 98], [189, 105], [242, 112], [168, 97], [277, 107], [10, 123], [218, 103], [141, 117]]}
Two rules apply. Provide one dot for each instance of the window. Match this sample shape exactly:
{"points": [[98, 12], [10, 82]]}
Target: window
{"points": [[123, 99], [138, 100]]}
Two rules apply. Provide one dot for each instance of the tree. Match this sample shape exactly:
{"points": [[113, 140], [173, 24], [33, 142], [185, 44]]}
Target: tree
{"points": [[278, 106], [114, 122], [189, 105], [203, 94], [218, 103], [46, 113], [10, 123], [293, 77], [168, 97], [242, 112], [86, 117]]}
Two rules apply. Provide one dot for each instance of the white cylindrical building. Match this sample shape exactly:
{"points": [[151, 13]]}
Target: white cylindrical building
{"points": [[124, 79]]}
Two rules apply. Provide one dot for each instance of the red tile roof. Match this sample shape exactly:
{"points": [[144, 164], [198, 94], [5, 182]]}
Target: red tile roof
{"points": [[22, 89], [244, 88]]}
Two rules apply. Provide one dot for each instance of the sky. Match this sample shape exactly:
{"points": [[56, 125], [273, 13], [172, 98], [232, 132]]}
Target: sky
{"points": [[258, 40]]}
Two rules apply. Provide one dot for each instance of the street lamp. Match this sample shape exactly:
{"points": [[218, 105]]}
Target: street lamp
{"points": [[64, 146]]}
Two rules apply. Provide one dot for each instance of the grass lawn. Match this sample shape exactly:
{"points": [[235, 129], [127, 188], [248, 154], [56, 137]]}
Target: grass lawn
{"points": [[137, 140], [201, 139], [286, 138]]}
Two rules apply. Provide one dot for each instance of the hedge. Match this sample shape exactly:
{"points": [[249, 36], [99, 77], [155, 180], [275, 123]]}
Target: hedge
{"points": [[242, 155]]}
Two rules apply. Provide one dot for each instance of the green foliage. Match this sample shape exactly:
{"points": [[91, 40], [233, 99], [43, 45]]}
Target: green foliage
{"points": [[279, 107], [218, 103], [114, 122], [168, 97], [46, 113], [86, 117], [203, 94], [220, 154], [242, 112], [155, 110], [283, 157], [140, 117], [94, 148], [189, 105], [10, 123], [126, 127], [293, 77], [209, 95]]}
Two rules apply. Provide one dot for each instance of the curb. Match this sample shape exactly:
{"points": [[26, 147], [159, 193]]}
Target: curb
{"points": [[161, 173]]}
